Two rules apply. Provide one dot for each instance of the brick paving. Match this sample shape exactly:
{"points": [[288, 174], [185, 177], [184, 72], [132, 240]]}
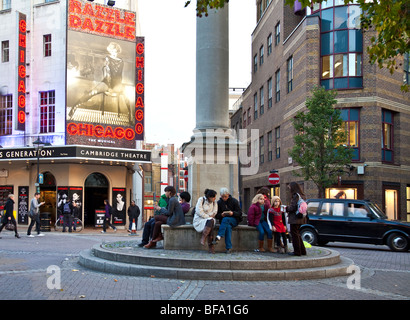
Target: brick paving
{"points": [[385, 275]]}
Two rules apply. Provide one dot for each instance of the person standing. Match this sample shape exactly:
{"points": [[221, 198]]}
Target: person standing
{"points": [[229, 216], [204, 219], [277, 223], [107, 218], [133, 214], [68, 215], [8, 215], [296, 220], [35, 215]]}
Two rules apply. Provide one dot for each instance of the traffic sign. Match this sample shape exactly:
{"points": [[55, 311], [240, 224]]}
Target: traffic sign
{"points": [[274, 178]]}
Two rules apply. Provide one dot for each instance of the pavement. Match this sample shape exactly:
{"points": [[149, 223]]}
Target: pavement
{"points": [[46, 268]]}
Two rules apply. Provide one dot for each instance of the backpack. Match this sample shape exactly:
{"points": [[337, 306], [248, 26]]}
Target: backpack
{"points": [[302, 207], [193, 210], [66, 208]]}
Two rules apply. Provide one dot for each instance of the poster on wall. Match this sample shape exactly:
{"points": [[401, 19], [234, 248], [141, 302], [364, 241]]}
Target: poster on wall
{"points": [[118, 206], [4, 195], [23, 205], [101, 76], [99, 218], [62, 196], [75, 195]]}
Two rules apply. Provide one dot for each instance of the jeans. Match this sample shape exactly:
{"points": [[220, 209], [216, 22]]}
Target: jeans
{"points": [[225, 230], [263, 228], [67, 221], [34, 219], [148, 230]]}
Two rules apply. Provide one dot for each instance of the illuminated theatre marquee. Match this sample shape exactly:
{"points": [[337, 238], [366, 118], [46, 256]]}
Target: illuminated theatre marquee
{"points": [[102, 20], [105, 106]]}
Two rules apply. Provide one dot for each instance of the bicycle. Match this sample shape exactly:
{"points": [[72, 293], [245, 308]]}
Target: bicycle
{"points": [[76, 227]]}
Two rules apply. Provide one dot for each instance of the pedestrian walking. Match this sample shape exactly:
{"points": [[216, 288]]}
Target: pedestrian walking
{"points": [[277, 223], [8, 216], [204, 218], [107, 218], [229, 216], [34, 214], [133, 214], [257, 217], [296, 220]]}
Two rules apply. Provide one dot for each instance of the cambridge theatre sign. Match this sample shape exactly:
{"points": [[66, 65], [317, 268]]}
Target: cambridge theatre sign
{"points": [[76, 152]]}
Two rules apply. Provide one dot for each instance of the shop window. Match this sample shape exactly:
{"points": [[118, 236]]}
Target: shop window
{"points": [[341, 193]]}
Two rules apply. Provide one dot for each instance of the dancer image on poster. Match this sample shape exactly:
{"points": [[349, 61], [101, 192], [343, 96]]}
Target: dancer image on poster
{"points": [[111, 84]]}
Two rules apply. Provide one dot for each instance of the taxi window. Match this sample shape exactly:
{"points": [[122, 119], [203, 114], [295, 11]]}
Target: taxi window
{"points": [[338, 209], [312, 208], [325, 209], [357, 210]]}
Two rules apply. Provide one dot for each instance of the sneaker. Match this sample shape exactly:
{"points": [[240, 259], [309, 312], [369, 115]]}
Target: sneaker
{"points": [[40, 235], [30, 236], [102, 231], [217, 239], [228, 251]]}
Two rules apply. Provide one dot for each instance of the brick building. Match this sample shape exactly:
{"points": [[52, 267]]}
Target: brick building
{"points": [[294, 50]]}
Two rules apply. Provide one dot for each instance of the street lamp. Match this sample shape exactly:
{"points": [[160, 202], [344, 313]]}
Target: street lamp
{"points": [[39, 146]]}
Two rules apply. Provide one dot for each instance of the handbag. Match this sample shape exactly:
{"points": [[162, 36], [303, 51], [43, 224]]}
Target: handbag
{"points": [[10, 226]]}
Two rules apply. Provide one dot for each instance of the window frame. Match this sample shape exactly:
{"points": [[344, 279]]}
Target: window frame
{"points": [[47, 45]]}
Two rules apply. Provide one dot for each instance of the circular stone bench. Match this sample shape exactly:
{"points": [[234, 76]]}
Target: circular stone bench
{"points": [[185, 237]]}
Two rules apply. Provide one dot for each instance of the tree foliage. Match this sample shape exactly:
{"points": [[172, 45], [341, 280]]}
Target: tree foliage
{"points": [[319, 143], [389, 18]]}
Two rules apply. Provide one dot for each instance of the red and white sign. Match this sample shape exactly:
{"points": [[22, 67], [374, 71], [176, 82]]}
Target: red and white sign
{"points": [[274, 178]]}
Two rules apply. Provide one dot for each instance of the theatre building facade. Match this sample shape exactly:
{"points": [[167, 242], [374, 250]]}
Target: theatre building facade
{"points": [[295, 49], [71, 107]]}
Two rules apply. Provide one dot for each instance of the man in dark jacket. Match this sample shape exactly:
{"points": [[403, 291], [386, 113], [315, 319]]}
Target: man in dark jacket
{"points": [[8, 215], [67, 215], [133, 214], [229, 215]]}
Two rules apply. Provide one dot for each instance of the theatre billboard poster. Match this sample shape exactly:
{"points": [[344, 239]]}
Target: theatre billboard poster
{"points": [[101, 76]]}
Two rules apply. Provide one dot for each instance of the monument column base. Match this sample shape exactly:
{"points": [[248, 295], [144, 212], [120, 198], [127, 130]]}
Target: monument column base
{"points": [[212, 162]]}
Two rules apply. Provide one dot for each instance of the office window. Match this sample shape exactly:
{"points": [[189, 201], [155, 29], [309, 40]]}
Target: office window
{"points": [[290, 74], [6, 4], [277, 86], [270, 93], [47, 111], [406, 69], [6, 114], [5, 51], [387, 136], [269, 43], [47, 45], [341, 47], [277, 142], [277, 34], [255, 106], [270, 141], [262, 103], [255, 63], [261, 150], [351, 118], [261, 55]]}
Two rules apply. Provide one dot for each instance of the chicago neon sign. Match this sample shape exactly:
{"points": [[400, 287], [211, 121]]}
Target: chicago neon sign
{"points": [[21, 72]]}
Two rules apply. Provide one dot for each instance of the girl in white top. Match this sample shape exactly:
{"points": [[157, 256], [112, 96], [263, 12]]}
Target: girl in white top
{"points": [[204, 219]]}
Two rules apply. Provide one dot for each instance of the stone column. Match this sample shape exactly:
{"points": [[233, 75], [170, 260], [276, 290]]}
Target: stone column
{"points": [[212, 151]]}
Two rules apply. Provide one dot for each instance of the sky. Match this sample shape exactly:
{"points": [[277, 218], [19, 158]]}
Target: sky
{"points": [[170, 41]]}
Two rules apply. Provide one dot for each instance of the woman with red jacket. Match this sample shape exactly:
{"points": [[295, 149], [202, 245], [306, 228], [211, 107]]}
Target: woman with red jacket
{"points": [[258, 217]]}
